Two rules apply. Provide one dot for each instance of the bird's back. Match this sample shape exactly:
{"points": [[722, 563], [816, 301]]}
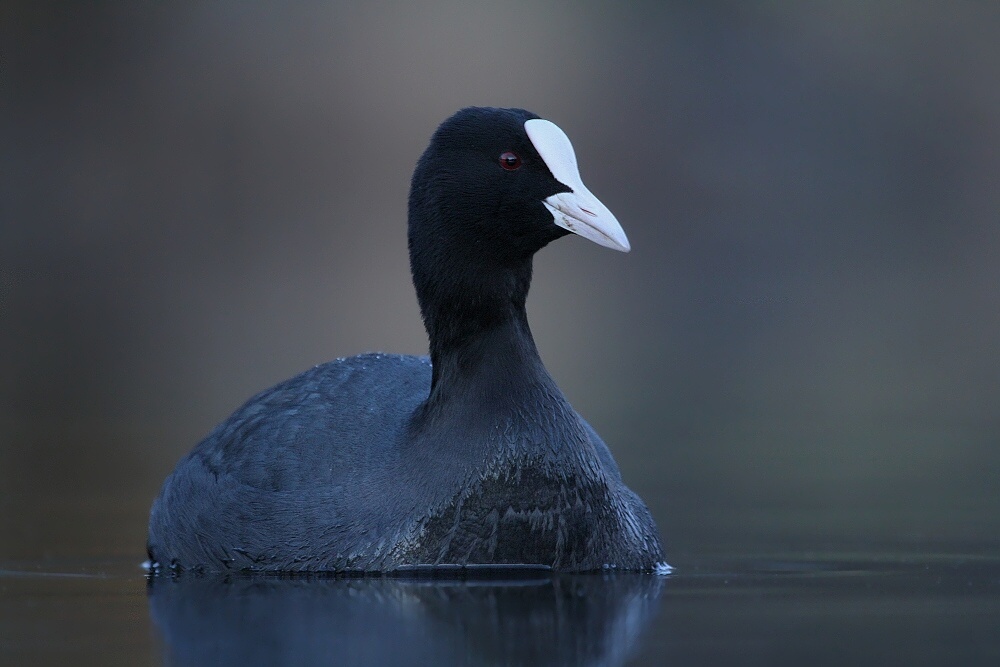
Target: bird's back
{"points": [[300, 477]]}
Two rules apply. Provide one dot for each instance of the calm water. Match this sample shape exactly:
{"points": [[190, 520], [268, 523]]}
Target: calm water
{"points": [[815, 610]]}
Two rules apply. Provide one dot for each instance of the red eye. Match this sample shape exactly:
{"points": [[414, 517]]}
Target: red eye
{"points": [[510, 161]]}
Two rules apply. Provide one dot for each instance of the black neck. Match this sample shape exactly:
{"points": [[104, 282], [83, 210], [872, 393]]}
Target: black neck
{"points": [[499, 361], [490, 386], [480, 341]]}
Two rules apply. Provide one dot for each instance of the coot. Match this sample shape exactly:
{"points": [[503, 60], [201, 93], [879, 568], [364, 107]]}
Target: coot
{"points": [[471, 458]]}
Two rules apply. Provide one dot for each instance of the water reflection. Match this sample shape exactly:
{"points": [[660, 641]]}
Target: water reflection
{"points": [[543, 620]]}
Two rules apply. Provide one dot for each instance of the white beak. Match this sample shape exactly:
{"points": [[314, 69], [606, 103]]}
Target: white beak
{"points": [[578, 211]]}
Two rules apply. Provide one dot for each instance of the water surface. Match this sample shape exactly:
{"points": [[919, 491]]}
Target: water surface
{"points": [[817, 609]]}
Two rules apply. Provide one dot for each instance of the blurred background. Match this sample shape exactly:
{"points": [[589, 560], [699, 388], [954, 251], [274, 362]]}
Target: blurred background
{"points": [[802, 350]]}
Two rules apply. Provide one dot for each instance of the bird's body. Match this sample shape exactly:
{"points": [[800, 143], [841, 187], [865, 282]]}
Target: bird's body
{"points": [[472, 457]]}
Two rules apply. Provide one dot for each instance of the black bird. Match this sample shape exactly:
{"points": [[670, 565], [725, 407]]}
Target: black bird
{"points": [[473, 457]]}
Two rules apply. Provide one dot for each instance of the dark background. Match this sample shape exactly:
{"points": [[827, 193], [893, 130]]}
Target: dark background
{"points": [[802, 349]]}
